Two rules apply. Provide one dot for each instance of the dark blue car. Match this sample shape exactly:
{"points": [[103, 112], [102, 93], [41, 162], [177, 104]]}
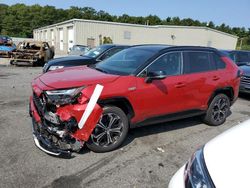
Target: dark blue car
{"points": [[242, 59], [93, 56]]}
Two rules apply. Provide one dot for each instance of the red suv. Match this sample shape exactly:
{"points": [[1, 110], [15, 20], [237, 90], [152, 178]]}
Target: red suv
{"points": [[146, 84]]}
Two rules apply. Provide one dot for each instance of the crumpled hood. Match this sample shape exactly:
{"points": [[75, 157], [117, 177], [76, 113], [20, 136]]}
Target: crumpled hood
{"points": [[75, 77], [245, 69], [227, 157]]}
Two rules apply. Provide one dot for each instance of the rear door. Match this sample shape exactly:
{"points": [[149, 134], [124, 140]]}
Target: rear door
{"points": [[202, 78]]}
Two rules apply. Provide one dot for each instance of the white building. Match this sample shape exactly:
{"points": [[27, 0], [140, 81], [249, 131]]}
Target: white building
{"points": [[90, 32]]}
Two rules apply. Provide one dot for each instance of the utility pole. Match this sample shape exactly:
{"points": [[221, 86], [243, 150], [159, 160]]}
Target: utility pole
{"points": [[241, 40]]}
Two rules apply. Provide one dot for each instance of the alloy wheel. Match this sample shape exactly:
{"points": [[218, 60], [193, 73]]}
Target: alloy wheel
{"points": [[108, 130], [220, 109]]}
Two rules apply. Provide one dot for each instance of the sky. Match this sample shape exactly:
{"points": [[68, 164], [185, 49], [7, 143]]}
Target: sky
{"points": [[231, 12]]}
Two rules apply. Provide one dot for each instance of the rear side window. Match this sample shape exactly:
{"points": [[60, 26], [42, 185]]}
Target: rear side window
{"points": [[195, 62], [218, 62]]}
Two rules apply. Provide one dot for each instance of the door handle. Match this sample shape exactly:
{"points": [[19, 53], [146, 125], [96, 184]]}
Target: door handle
{"points": [[180, 85], [216, 78]]}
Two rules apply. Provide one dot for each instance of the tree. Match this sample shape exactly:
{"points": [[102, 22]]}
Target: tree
{"points": [[153, 20], [176, 21], [3, 10], [107, 40], [211, 24]]}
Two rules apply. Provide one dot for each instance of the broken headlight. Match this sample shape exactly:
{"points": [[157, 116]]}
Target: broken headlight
{"points": [[63, 96], [196, 173]]}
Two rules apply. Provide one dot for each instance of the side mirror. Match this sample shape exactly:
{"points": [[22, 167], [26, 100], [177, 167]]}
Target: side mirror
{"points": [[156, 75]]}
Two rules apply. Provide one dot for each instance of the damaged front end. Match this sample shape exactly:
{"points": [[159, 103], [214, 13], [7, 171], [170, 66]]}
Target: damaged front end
{"points": [[63, 119], [25, 56]]}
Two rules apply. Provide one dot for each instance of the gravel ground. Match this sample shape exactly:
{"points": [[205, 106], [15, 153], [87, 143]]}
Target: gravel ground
{"points": [[138, 163]]}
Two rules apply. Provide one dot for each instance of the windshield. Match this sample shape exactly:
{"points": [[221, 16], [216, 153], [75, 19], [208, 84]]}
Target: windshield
{"points": [[79, 48], [96, 51], [125, 62]]}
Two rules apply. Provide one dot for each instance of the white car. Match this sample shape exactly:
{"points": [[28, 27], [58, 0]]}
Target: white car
{"points": [[224, 162]]}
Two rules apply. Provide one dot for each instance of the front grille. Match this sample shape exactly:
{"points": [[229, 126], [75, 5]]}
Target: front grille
{"points": [[245, 79], [38, 103]]}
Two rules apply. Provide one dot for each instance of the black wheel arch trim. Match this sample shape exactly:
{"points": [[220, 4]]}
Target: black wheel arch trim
{"points": [[120, 102], [228, 91]]}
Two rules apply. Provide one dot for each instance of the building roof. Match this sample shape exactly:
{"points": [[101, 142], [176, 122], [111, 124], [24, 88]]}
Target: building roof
{"points": [[135, 25]]}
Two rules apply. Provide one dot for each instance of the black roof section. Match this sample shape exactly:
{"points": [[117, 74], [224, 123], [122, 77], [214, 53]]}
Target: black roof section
{"points": [[163, 47]]}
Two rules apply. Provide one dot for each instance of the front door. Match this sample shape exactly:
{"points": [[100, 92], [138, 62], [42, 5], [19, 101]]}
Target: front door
{"points": [[163, 96]]}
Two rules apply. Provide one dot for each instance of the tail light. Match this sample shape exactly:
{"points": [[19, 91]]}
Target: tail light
{"points": [[239, 73]]}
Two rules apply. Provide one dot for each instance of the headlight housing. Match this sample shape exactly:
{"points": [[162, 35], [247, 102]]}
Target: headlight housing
{"points": [[45, 67], [55, 67], [196, 173], [63, 96]]}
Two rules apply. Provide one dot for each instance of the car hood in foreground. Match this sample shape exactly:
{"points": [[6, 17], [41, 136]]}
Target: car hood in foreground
{"points": [[75, 77], [245, 69], [227, 157]]}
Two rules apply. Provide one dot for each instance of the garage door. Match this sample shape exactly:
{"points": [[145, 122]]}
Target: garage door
{"points": [[70, 37], [52, 38], [61, 39]]}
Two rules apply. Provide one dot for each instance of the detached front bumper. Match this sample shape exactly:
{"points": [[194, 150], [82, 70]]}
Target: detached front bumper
{"points": [[40, 141], [46, 145], [42, 138]]}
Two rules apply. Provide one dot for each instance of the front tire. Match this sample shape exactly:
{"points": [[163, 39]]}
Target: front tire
{"points": [[110, 131], [218, 110]]}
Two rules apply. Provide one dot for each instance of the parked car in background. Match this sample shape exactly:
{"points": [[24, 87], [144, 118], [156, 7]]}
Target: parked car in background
{"points": [[78, 50], [242, 59], [5, 39], [6, 49], [140, 85], [32, 52], [222, 162], [91, 57]]}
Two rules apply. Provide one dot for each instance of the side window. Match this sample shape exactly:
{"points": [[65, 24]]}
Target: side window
{"points": [[109, 53], [169, 63], [218, 62], [195, 62], [242, 57]]}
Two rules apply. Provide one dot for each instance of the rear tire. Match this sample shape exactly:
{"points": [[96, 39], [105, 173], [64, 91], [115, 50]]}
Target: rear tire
{"points": [[218, 110], [110, 131]]}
